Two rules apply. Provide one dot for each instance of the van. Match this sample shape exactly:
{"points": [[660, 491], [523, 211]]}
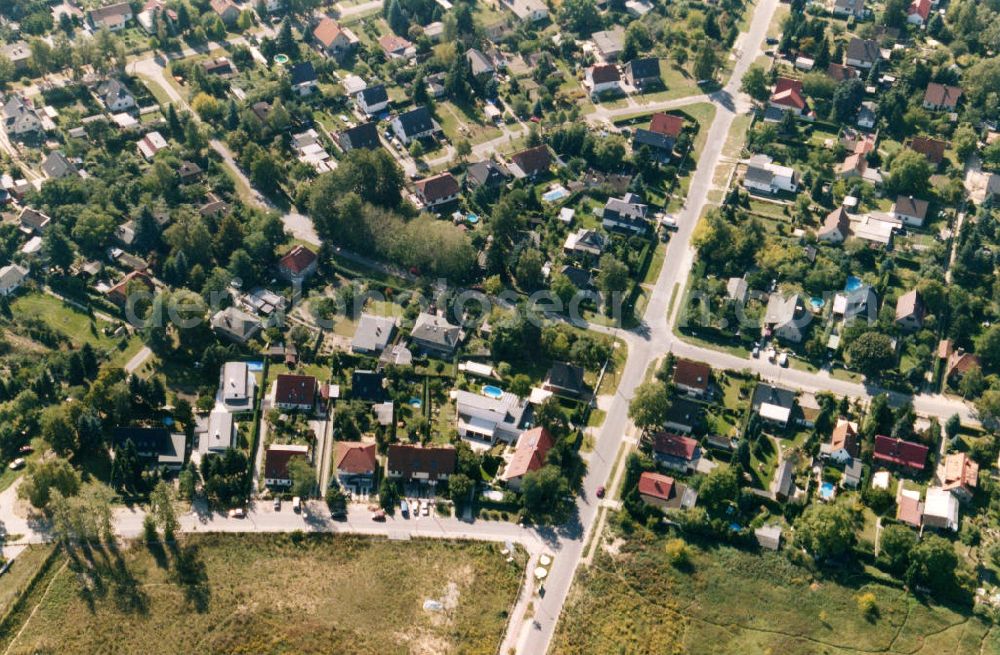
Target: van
{"points": [[297, 505]]}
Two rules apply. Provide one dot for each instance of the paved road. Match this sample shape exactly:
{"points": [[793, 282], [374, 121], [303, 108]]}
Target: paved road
{"points": [[138, 359]]}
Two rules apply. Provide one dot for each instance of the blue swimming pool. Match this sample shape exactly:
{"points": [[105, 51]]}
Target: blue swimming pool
{"points": [[853, 282], [556, 194], [817, 303], [827, 491], [255, 367], [492, 391], [415, 403], [472, 218]]}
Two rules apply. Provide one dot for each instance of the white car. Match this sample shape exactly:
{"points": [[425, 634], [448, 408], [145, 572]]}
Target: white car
{"points": [[16, 464], [783, 359], [426, 509]]}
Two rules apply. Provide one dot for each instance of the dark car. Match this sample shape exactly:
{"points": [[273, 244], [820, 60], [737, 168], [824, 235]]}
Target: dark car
{"points": [[772, 41], [378, 515], [600, 491]]}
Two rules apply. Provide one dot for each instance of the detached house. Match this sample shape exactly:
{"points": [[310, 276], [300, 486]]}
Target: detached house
{"points": [[941, 97], [692, 377], [642, 74], [490, 419], [910, 311], [236, 325], [676, 451], [836, 227], [531, 162], [295, 392], [363, 135], [661, 135], [663, 492], [113, 17], [609, 43], [565, 380], [767, 177], [860, 302], [372, 100], [333, 40], [276, 460], [438, 190], [918, 12], [602, 78], [773, 404], [421, 464], [56, 166], [932, 149], [115, 96], [226, 10], [298, 264], [844, 442], [626, 214], [356, 465], [585, 242], [901, 453], [396, 47], [959, 474], [529, 455], [911, 211], [156, 447], [855, 8], [303, 78], [786, 318], [415, 124], [20, 118], [862, 53], [788, 96], [434, 334], [12, 276]]}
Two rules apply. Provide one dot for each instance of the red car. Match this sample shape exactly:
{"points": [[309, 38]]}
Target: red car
{"points": [[600, 491], [378, 515]]}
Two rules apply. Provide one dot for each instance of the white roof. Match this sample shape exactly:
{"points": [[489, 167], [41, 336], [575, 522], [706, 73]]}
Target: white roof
{"points": [[881, 480], [566, 214], [353, 84], [476, 368], [942, 504], [220, 431], [775, 412], [33, 245], [478, 425]]}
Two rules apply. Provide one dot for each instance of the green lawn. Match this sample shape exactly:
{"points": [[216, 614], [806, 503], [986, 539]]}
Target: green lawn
{"points": [[277, 594], [740, 603], [76, 325], [13, 583]]}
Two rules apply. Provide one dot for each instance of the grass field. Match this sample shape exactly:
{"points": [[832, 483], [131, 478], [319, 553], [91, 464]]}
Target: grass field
{"points": [[21, 571], [730, 601], [269, 594]]}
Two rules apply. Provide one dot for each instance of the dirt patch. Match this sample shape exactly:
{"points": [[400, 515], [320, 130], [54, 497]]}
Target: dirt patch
{"points": [[614, 546]]}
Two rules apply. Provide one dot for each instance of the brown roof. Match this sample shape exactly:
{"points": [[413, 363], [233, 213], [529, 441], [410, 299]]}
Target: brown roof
{"points": [[327, 32], [656, 485], [942, 95], [602, 73], [118, 293], [836, 220], [392, 43], [910, 510], [909, 304], [932, 149], [899, 451], [295, 389], [789, 98], [845, 436], [961, 362], [356, 457], [960, 470], [910, 206], [533, 160], [529, 455], [435, 461], [841, 73], [440, 186], [667, 124], [222, 6], [675, 445], [277, 457], [298, 259], [694, 375]]}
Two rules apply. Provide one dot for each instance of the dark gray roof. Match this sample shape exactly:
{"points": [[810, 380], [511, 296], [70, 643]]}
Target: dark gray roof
{"points": [[863, 50], [303, 72], [566, 376], [644, 68], [374, 95], [578, 276], [766, 393], [56, 165], [481, 64], [485, 173], [364, 135], [759, 175], [416, 121], [655, 140]]}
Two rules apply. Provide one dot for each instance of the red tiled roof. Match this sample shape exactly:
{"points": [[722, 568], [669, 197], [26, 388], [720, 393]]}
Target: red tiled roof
{"points": [[846, 437], [392, 43], [298, 259], [356, 457], [276, 460], [910, 510], [602, 73], [900, 452], [667, 124], [932, 149], [789, 98], [656, 485], [694, 375], [533, 160], [787, 84], [435, 462], [920, 7], [532, 447], [440, 186], [841, 73], [942, 95], [327, 32], [960, 470], [295, 389], [675, 445]]}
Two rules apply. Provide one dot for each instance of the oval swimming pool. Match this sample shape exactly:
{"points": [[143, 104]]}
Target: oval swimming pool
{"points": [[492, 391]]}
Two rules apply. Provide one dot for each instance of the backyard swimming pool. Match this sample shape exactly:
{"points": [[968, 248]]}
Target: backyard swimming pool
{"points": [[415, 403], [853, 282], [555, 194], [492, 391], [827, 491]]}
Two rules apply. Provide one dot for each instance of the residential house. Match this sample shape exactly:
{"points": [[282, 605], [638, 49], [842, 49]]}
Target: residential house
{"points": [[786, 318], [768, 537], [298, 264], [487, 174], [33, 221], [220, 434], [414, 124], [373, 99], [227, 10], [765, 176], [56, 166], [676, 451], [835, 228], [18, 52], [844, 442], [12, 276], [959, 363], [433, 334], [643, 73], [295, 392], [421, 464], [115, 96], [602, 78], [396, 47], [20, 118], [918, 12], [136, 280], [959, 474], [157, 447], [356, 464], [530, 11], [848, 8], [773, 404], [152, 11], [363, 135], [151, 144], [841, 73], [910, 311], [220, 66], [867, 115], [877, 229], [585, 242], [626, 214], [489, 419], [692, 377], [788, 96], [481, 65], [579, 277], [661, 146], [932, 149], [437, 190], [333, 40], [783, 487], [911, 211], [901, 453], [940, 510], [189, 172], [664, 492], [684, 416], [302, 77], [276, 460], [236, 325], [609, 43], [114, 17], [737, 289], [531, 162], [861, 301], [909, 508], [373, 334], [565, 379], [942, 97], [862, 53], [237, 386], [367, 386], [529, 455]]}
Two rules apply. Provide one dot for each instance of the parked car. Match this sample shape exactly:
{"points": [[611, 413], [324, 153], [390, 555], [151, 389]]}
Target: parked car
{"points": [[378, 515], [425, 508], [237, 513], [783, 359], [755, 353], [601, 491], [297, 505], [26, 449], [277, 504], [16, 464]]}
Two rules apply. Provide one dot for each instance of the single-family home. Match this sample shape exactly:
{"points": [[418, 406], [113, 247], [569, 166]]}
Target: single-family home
{"points": [[237, 386], [909, 508], [565, 380], [737, 289], [396, 47], [373, 334], [858, 302], [932, 149], [786, 318], [295, 392], [862, 53], [901, 453], [414, 124], [356, 464], [959, 363], [783, 487], [586, 242], [112, 17], [911, 211], [940, 510], [227, 10], [609, 43], [664, 492], [643, 73], [529, 455], [220, 434], [773, 404], [189, 172], [115, 96], [276, 460], [373, 99], [236, 325], [768, 536], [363, 135], [684, 416], [942, 97], [487, 174], [918, 12], [151, 144], [602, 78], [676, 451], [156, 447], [490, 419], [855, 8], [298, 264], [18, 52], [531, 162], [529, 11], [692, 377], [302, 77], [12, 276], [841, 73], [844, 442], [877, 229], [221, 66], [626, 214], [153, 11], [867, 115], [421, 464], [20, 118], [836, 227], [788, 96], [437, 190], [367, 386], [333, 40], [910, 311], [481, 65], [56, 166], [959, 474], [433, 334], [764, 176]]}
